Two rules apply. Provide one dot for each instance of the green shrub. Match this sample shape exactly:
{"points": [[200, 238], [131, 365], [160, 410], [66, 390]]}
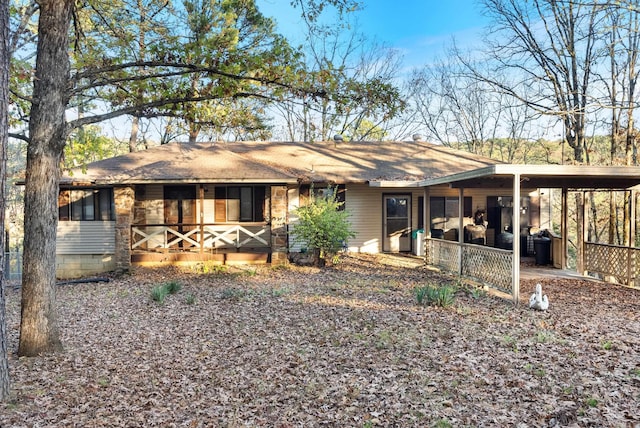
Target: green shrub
{"points": [[322, 226], [443, 295], [191, 299]]}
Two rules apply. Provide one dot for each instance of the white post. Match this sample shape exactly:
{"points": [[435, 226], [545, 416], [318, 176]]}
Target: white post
{"points": [[460, 227], [515, 285], [426, 222], [564, 228]]}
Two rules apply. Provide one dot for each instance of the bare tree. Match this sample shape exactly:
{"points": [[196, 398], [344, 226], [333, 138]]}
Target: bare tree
{"points": [[550, 47], [361, 76]]}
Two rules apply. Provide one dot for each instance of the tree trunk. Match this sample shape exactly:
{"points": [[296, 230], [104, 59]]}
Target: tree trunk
{"points": [[4, 136], [47, 133], [133, 136]]}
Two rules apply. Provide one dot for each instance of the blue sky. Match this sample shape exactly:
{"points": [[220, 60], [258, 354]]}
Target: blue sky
{"points": [[419, 28]]}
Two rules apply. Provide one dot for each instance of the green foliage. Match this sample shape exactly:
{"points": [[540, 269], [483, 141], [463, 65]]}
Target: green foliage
{"points": [[190, 299], [88, 145], [173, 287], [591, 402], [322, 226], [431, 295], [234, 293], [160, 292], [211, 268]]}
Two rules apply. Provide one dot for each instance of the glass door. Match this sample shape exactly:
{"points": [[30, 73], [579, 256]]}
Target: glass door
{"points": [[397, 223]]}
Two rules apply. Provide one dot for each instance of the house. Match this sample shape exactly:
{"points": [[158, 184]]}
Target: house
{"points": [[233, 202]]}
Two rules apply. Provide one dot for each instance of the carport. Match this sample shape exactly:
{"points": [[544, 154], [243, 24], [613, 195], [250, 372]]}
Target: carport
{"points": [[500, 268]]}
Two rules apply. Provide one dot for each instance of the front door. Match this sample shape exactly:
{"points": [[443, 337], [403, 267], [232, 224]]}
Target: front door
{"points": [[397, 223], [180, 212]]}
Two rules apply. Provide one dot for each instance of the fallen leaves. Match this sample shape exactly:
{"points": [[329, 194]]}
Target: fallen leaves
{"points": [[343, 346]]}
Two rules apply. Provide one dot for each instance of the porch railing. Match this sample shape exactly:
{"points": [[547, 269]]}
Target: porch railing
{"points": [[615, 261], [491, 266], [199, 237]]}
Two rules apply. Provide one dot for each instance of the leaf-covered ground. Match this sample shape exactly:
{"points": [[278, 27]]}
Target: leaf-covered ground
{"points": [[343, 346]]}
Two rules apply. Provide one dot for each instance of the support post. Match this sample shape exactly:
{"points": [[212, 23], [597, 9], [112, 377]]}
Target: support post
{"points": [[564, 227], [580, 221], [632, 237], [515, 284], [201, 218], [460, 227], [279, 219], [426, 221], [124, 200]]}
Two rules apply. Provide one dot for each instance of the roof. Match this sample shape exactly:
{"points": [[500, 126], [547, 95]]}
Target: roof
{"points": [[282, 162], [574, 177]]}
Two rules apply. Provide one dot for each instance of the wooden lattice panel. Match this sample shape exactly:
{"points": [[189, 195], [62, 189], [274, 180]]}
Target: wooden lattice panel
{"points": [[488, 265], [613, 260], [444, 254]]}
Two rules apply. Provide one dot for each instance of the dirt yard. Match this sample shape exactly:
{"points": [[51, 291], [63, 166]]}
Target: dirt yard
{"points": [[344, 346]]}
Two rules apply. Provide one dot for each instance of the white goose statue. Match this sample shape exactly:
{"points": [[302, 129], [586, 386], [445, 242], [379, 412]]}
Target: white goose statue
{"points": [[538, 300]]}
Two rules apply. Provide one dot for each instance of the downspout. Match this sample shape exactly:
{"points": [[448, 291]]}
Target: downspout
{"points": [[515, 285]]}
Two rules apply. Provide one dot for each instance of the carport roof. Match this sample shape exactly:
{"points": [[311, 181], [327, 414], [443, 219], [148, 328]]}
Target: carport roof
{"points": [[574, 177]]}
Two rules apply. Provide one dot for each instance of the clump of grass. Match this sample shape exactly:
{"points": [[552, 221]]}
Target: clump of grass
{"points": [[234, 293], [190, 299], [442, 295], [211, 268], [173, 287], [160, 292]]}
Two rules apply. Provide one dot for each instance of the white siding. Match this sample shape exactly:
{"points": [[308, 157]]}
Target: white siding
{"points": [[86, 237]]}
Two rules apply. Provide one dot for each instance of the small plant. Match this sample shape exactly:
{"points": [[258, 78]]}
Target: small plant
{"points": [[477, 293], [607, 345], [211, 268], [591, 402], [442, 296], [233, 293], [190, 299], [158, 293], [173, 287], [420, 293], [442, 423]]}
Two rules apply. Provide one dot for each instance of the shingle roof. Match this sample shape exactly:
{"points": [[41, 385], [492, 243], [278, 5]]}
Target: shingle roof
{"points": [[282, 162]]}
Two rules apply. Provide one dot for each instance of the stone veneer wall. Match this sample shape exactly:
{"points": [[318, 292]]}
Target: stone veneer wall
{"points": [[279, 241], [124, 199]]}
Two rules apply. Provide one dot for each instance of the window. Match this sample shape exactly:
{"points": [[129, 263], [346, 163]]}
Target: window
{"points": [[86, 205], [239, 203], [446, 207], [324, 192]]}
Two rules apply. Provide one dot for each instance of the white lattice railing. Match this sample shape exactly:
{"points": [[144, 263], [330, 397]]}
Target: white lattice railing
{"points": [[193, 237], [621, 263], [488, 265]]}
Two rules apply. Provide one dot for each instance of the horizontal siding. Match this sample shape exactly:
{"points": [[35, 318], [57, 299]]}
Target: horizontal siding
{"points": [[364, 205], [86, 237]]}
